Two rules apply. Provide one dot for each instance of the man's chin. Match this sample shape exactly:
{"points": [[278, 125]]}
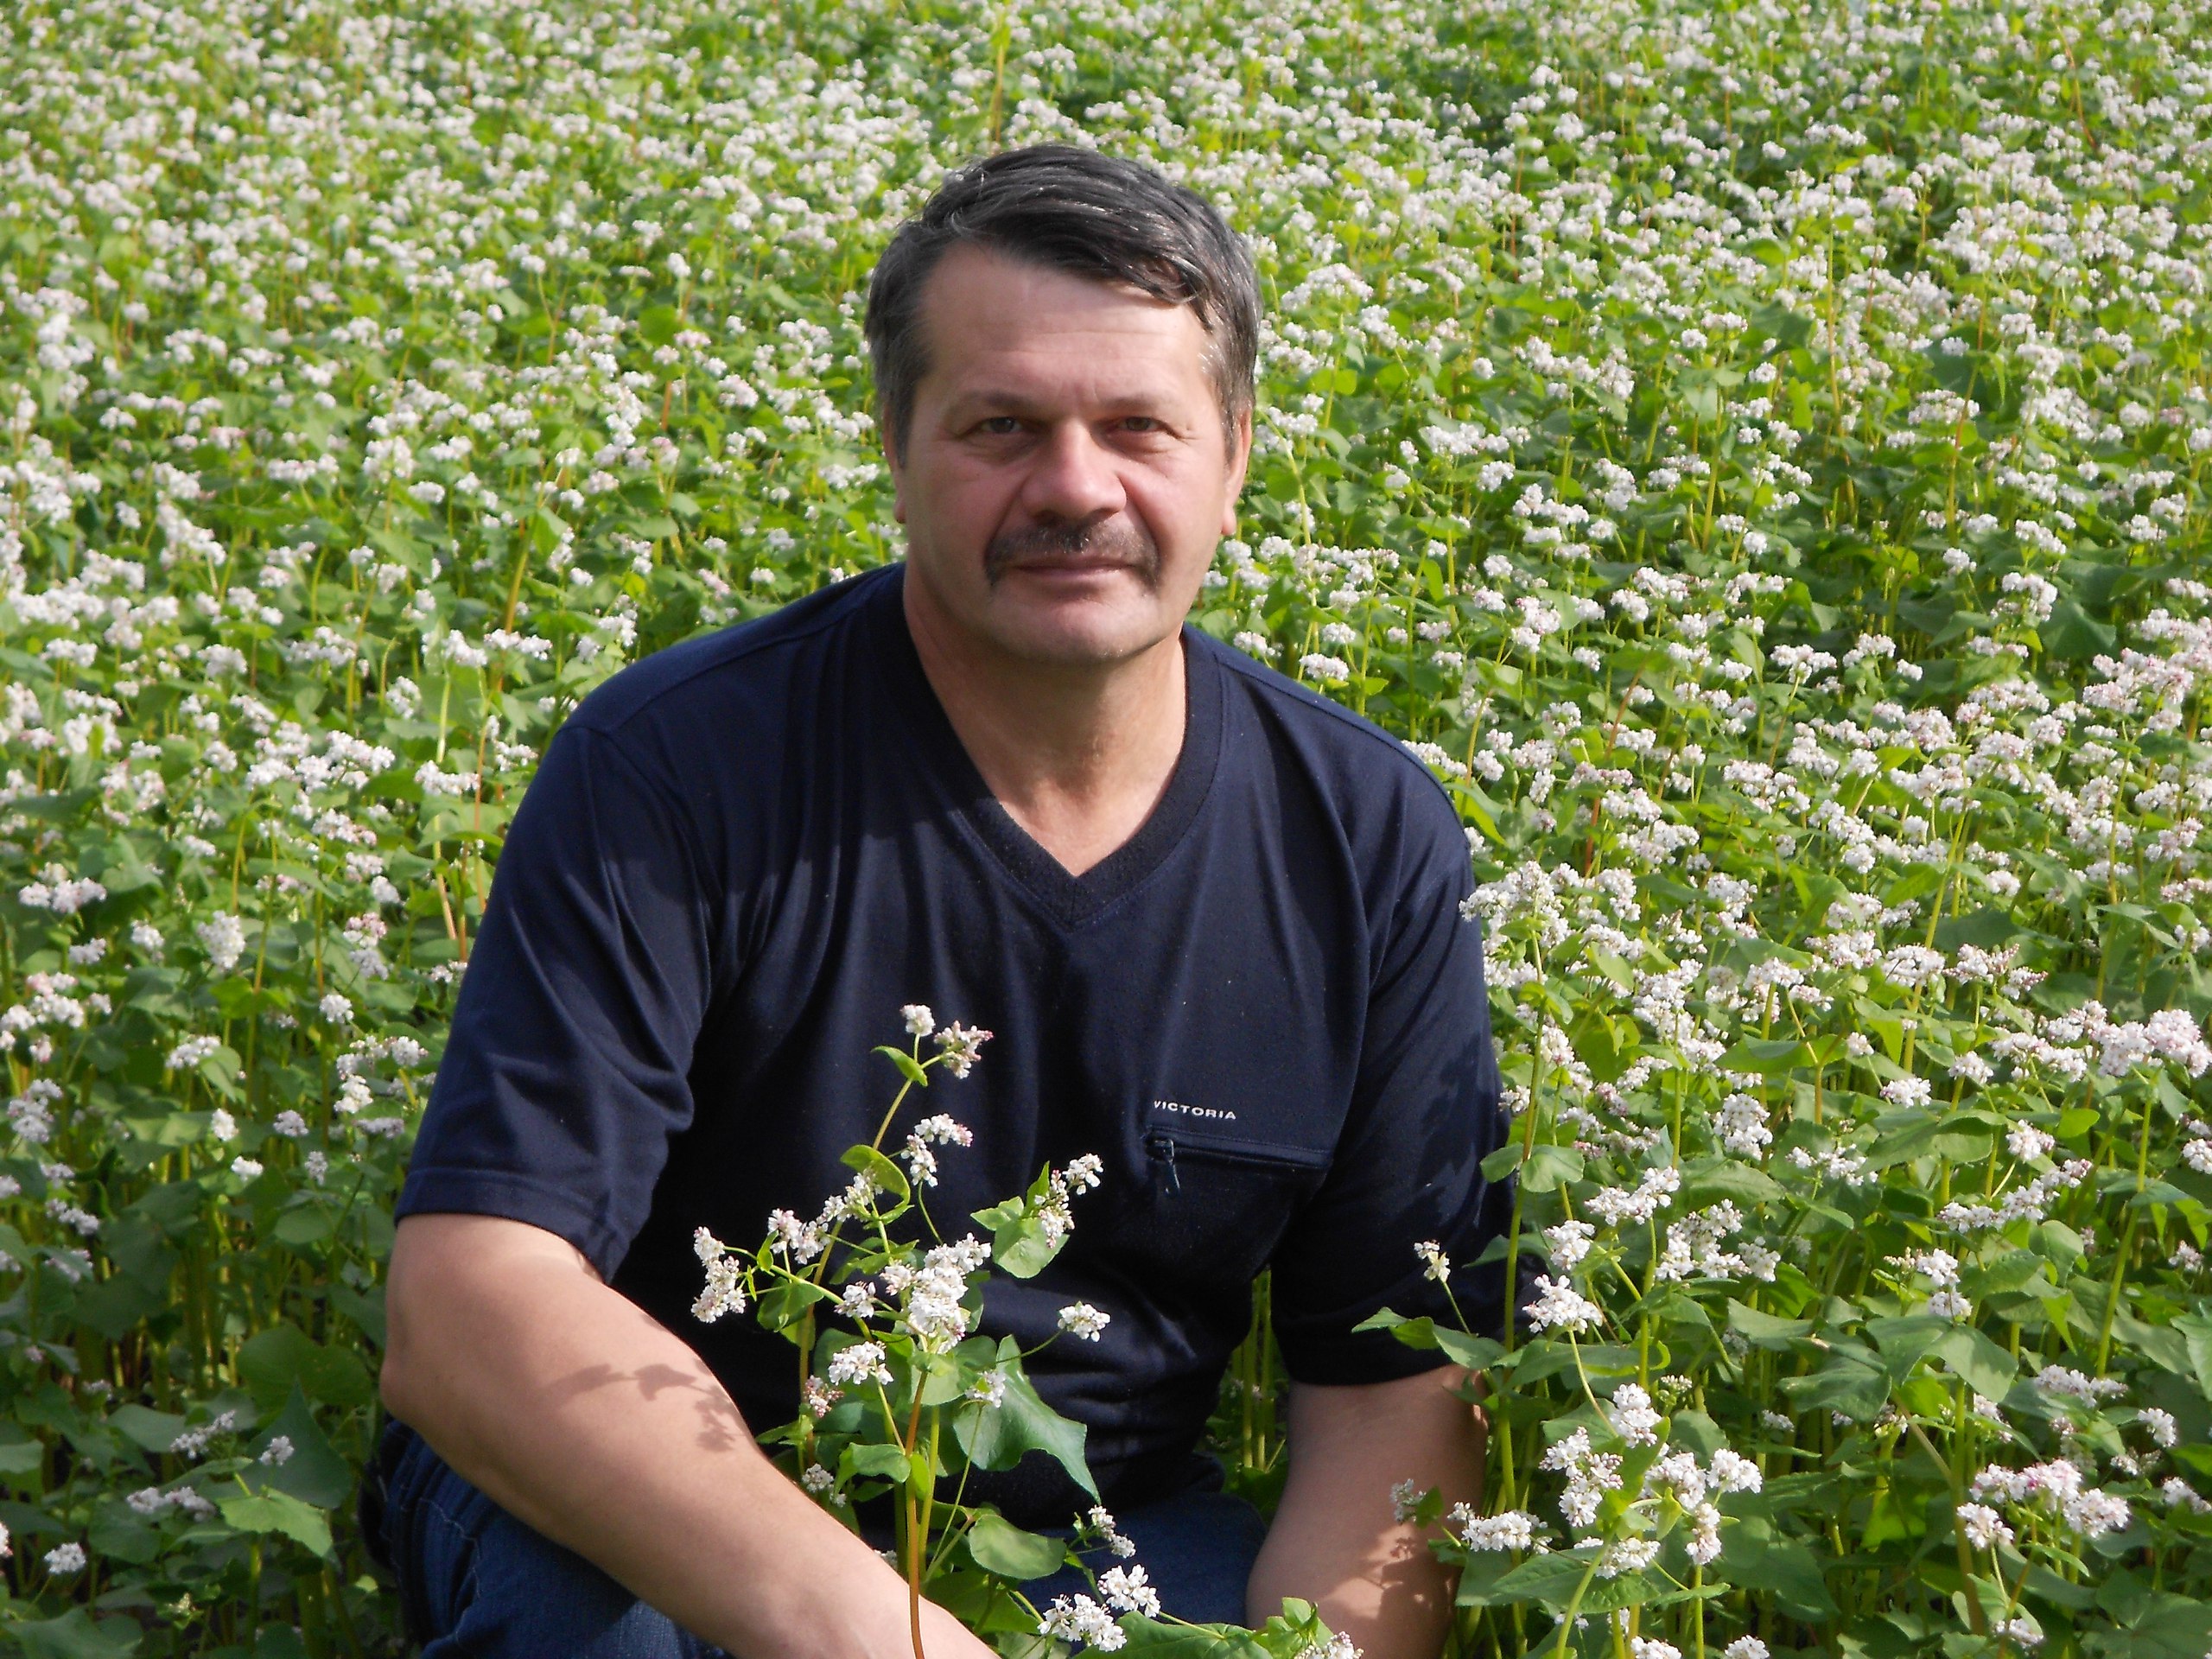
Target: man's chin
{"points": [[1080, 635]]}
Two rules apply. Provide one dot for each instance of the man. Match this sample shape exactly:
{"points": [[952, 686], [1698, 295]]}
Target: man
{"points": [[1212, 918]]}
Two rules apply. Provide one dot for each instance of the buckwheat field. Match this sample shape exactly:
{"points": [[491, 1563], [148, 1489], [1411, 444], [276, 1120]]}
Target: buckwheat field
{"points": [[1754, 454]]}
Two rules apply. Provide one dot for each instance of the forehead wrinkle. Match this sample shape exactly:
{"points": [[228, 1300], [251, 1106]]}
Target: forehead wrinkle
{"points": [[1032, 376], [1048, 305]]}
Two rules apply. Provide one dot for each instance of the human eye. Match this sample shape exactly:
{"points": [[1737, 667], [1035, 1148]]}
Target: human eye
{"points": [[998, 426]]}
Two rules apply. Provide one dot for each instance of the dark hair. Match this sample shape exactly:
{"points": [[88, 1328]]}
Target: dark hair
{"points": [[1076, 211]]}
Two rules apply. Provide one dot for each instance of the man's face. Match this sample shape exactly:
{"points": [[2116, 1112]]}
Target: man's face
{"points": [[1065, 477]]}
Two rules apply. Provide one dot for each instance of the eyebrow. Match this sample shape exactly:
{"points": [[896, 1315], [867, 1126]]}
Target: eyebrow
{"points": [[999, 400]]}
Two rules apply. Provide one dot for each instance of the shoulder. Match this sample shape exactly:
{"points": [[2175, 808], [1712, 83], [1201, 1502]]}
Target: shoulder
{"points": [[1380, 792], [739, 671], [713, 732]]}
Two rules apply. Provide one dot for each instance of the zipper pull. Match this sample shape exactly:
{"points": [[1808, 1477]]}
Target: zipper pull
{"points": [[1162, 1147]]}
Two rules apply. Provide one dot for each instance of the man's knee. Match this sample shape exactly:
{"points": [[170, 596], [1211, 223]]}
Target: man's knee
{"points": [[530, 1597], [479, 1582]]}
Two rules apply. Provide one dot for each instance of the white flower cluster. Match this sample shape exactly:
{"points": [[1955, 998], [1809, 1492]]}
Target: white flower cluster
{"points": [[932, 1294], [2056, 1489], [193, 1442], [1125, 1591], [1558, 1305], [153, 1501], [1510, 1529], [1056, 1214], [1620, 1206], [1082, 1621], [726, 1278], [920, 1161], [961, 1046], [1677, 1476], [1589, 1475], [1100, 1521]]}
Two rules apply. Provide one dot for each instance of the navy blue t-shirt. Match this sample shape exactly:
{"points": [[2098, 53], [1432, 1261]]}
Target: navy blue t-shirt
{"points": [[1265, 1013]]}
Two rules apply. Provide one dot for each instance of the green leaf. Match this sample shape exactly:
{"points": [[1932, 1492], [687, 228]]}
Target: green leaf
{"points": [[998, 1545], [1476, 1353], [1984, 929], [1599, 1046], [1550, 1166], [1708, 1181], [310, 1223], [884, 1462], [2155, 1624], [1414, 1333], [75, 1635], [2073, 634], [1150, 1639], [1024, 1250], [117, 1535], [1021, 1246], [998, 1437], [944, 1378], [1478, 1579], [1765, 1330], [1753, 1557], [1782, 325], [315, 1474], [366, 1310], [21, 1455], [1984, 1367], [878, 1169], [1551, 1578], [782, 1303], [1905, 1342], [272, 1362], [2196, 1331], [909, 1067], [2047, 1585], [1890, 1521], [282, 1513], [153, 1431], [1849, 1383], [1696, 1430], [1962, 1136], [114, 1306], [1769, 1057]]}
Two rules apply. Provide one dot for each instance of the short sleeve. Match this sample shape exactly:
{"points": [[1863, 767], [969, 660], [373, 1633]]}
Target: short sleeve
{"points": [[1426, 1112], [566, 1071]]}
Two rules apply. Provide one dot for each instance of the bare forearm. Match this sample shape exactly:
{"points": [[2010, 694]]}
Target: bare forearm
{"points": [[590, 1422], [1335, 1540]]}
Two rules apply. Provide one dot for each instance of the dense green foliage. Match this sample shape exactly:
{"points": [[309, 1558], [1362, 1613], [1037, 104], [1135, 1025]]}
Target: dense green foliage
{"points": [[1755, 453]]}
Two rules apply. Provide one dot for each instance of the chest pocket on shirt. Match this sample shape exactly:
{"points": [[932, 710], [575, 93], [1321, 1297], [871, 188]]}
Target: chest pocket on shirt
{"points": [[1219, 1202]]}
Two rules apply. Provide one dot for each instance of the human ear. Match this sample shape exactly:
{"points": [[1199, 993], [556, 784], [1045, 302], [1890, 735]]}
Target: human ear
{"points": [[898, 475], [1240, 460]]}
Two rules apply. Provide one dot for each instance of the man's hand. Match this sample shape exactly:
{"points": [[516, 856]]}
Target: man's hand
{"points": [[1336, 1541], [584, 1418]]}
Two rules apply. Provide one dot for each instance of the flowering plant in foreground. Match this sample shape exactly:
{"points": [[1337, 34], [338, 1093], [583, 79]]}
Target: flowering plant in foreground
{"points": [[901, 1394], [1755, 454]]}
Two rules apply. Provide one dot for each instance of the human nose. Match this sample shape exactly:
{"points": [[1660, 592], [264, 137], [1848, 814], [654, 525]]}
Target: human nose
{"points": [[1073, 477]]}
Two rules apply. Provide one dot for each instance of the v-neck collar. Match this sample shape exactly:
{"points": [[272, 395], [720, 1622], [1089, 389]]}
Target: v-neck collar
{"points": [[1071, 899]]}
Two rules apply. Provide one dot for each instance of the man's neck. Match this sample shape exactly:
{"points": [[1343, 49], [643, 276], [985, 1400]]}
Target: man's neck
{"points": [[1077, 756]]}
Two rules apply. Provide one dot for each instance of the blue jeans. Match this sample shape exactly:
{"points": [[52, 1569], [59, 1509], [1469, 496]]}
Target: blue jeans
{"points": [[475, 1581]]}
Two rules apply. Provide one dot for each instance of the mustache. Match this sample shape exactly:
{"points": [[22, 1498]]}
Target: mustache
{"points": [[1121, 540]]}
